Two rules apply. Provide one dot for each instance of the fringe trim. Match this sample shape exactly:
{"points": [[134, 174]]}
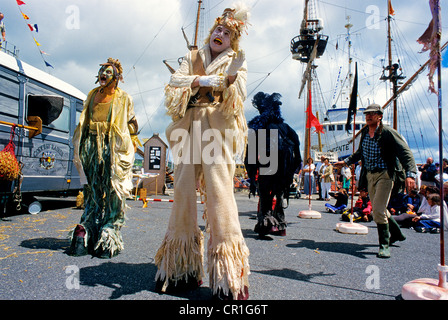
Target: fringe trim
{"points": [[179, 257], [228, 267], [233, 106], [111, 241], [176, 101]]}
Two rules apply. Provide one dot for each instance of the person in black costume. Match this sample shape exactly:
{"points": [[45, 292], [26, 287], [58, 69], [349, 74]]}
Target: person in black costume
{"points": [[274, 179]]}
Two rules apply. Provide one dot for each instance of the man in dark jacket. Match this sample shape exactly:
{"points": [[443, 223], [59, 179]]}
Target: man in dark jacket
{"points": [[275, 154], [388, 167], [429, 172]]}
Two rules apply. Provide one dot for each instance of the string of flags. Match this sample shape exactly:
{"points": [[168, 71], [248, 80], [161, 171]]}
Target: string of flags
{"points": [[33, 28]]}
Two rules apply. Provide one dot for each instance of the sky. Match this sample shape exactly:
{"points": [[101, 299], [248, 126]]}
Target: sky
{"points": [[79, 35]]}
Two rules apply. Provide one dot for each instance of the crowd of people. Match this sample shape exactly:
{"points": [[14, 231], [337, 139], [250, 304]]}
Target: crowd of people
{"points": [[418, 209]]}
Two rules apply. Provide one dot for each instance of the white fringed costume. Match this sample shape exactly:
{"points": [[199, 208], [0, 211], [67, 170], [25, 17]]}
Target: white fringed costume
{"points": [[180, 257]]}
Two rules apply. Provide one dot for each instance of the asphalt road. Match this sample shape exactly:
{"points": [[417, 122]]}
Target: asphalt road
{"points": [[312, 262]]}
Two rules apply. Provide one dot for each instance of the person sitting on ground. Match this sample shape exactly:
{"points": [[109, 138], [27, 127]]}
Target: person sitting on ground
{"points": [[362, 210], [397, 203], [341, 200], [413, 201], [404, 220], [429, 222], [425, 191]]}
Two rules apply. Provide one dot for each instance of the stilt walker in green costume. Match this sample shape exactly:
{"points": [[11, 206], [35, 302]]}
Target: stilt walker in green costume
{"points": [[104, 143], [205, 96]]}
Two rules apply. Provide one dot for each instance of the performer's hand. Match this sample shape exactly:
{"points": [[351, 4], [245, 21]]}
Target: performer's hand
{"points": [[237, 63], [211, 81]]}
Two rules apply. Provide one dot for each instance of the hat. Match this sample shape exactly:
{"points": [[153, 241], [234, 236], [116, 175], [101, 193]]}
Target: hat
{"points": [[374, 108], [235, 19], [265, 102]]}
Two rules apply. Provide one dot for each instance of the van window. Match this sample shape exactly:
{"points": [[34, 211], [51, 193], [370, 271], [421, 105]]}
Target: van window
{"points": [[51, 110]]}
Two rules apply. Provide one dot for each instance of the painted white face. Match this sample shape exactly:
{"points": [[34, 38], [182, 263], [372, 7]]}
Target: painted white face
{"points": [[220, 39]]}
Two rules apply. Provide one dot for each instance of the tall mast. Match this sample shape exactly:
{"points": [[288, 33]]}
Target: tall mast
{"points": [[198, 16], [306, 47], [393, 68]]}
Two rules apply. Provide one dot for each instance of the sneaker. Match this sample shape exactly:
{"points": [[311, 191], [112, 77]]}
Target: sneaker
{"points": [[420, 229], [434, 230]]}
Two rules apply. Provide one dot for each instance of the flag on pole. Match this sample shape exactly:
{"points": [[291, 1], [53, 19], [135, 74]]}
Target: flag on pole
{"points": [[312, 120], [391, 10], [353, 100], [19, 2], [430, 40], [25, 16]]}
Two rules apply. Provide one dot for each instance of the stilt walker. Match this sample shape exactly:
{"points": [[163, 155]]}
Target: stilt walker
{"points": [[426, 288], [104, 147], [205, 96]]}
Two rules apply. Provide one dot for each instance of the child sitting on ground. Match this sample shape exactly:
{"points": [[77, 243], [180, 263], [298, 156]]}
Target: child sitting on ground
{"points": [[362, 209], [341, 200], [429, 221]]}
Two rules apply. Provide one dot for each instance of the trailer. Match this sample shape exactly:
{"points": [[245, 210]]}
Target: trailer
{"points": [[43, 112]]}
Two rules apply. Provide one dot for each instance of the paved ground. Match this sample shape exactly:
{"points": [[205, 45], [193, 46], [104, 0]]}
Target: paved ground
{"points": [[312, 262]]}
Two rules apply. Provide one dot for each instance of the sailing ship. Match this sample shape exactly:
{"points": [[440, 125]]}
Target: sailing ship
{"points": [[399, 109]]}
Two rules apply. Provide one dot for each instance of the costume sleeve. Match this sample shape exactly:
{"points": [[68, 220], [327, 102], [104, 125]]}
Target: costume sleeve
{"points": [[178, 91], [233, 106], [235, 94], [131, 115]]}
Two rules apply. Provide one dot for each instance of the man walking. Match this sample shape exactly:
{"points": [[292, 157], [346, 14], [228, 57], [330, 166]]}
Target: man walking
{"points": [[379, 149]]}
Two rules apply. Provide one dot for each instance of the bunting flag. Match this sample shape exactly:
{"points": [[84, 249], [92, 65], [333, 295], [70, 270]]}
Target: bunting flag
{"points": [[430, 40], [33, 27], [353, 100], [312, 120]]}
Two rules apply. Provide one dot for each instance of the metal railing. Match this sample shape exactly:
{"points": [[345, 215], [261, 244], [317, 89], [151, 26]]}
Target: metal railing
{"points": [[9, 48]]}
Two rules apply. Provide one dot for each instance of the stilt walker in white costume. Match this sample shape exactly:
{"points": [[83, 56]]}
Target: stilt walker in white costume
{"points": [[205, 100]]}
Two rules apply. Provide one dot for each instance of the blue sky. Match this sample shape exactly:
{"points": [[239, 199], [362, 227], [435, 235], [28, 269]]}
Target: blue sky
{"points": [[80, 35]]}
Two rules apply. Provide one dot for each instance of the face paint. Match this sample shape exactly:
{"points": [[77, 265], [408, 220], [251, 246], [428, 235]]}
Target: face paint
{"points": [[220, 39], [105, 75]]}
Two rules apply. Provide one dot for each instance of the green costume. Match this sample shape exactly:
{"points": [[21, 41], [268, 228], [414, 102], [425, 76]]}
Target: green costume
{"points": [[104, 153]]}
